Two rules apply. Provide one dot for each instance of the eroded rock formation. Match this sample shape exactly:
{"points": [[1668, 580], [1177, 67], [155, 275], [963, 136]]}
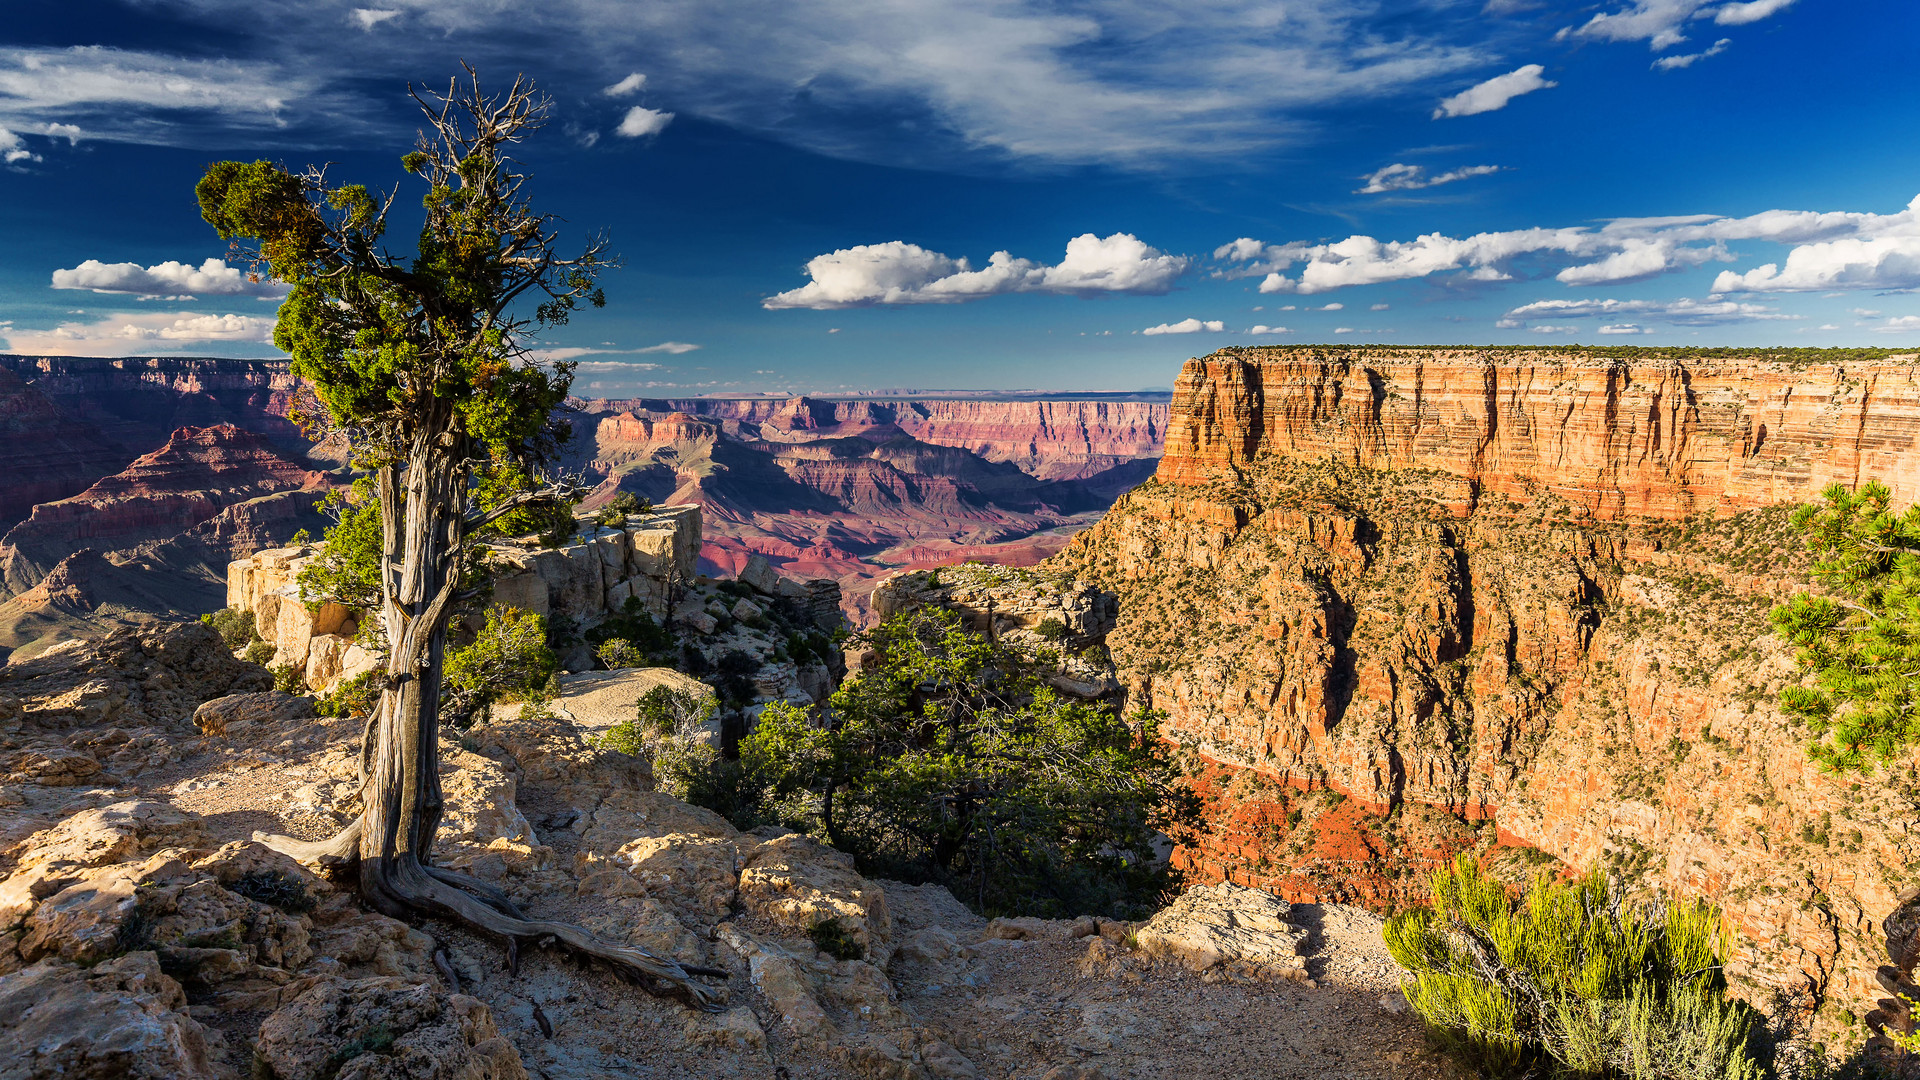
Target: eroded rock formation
{"points": [[1404, 603]]}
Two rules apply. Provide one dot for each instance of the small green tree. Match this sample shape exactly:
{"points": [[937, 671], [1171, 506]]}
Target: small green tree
{"points": [[420, 360], [509, 661], [1861, 641], [952, 761], [1570, 981]]}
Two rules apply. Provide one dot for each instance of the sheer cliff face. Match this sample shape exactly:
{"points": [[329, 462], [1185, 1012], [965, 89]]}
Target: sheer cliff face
{"points": [[1404, 604], [1617, 439]]}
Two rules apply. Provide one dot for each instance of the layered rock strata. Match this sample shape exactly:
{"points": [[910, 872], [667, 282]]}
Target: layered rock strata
{"points": [[1403, 603]]}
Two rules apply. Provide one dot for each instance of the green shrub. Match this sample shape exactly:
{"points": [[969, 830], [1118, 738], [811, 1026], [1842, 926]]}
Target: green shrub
{"points": [[1051, 629], [509, 661], [288, 679], [1861, 643], [733, 675], [834, 940], [234, 626], [620, 507], [620, 653], [1569, 981], [952, 761], [260, 652], [353, 697], [660, 712]]}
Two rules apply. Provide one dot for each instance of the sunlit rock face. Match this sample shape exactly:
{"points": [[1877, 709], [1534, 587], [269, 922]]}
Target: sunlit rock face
{"points": [[1404, 603]]}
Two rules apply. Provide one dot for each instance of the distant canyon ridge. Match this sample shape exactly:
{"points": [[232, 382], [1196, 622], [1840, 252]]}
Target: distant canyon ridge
{"points": [[132, 482]]}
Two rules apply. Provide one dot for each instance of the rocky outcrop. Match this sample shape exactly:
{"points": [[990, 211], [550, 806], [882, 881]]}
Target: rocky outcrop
{"points": [[1403, 604], [50, 455]]}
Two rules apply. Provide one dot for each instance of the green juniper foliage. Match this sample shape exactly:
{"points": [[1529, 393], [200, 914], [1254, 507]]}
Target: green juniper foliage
{"points": [[234, 626], [509, 661], [1571, 982], [1861, 643], [953, 761]]}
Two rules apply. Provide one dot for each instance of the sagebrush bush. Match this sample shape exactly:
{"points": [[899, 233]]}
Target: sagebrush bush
{"points": [[1570, 981]]}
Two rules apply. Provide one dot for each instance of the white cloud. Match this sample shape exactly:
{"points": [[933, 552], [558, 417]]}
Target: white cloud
{"points": [[1343, 329], [929, 82], [1328, 307], [1495, 92], [1846, 250], [1669, 63], [166, 280], [629, 85], [1659, 23], [1882, 252], [1685, 312], [1187, 326], [641, 121], [1543, 329], [674, 348], [1739, 14], [368, 18], [897, 272], [1264, 329], [121, 335], [12, 150], [1865, 313], [1379, 307], [1624, 328], [1399, 177], [1901, 324], [122, 95], [1828, 326]]}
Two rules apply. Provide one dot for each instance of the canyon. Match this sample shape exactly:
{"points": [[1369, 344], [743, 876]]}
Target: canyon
{"points": [[115, 509], [1403, 603]]}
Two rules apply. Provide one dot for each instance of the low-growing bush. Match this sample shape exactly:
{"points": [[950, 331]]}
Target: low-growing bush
{"points": [[234, 626], [1570, 981], [619, 653], [508, 662], [834, 940], [352, 697], [646, 637], [288, 679], [275, 887], [261, 652]]}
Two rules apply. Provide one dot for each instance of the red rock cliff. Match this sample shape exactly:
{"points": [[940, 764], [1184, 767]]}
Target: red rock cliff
{"points": [[1616, 438], [1405, 603]]}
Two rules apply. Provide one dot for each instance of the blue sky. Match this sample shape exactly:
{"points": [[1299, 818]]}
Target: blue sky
{"points": [[1017, 194]]}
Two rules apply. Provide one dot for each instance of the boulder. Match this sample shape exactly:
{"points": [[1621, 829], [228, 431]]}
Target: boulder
{"points": [[53, 859], [597, 700], [695, 875], [237, 711], [796, 881], [122, 1019], [1211, 925], [760, 574], [392, 1029]]}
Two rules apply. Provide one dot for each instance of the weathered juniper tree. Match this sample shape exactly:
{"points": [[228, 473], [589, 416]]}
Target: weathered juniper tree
{"points": [[421, 361]]}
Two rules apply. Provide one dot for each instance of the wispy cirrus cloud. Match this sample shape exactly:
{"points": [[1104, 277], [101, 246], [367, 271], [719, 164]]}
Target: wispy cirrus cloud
{"points": [[1682, 312], [1398, 177], [126, 95], [897, 272]]}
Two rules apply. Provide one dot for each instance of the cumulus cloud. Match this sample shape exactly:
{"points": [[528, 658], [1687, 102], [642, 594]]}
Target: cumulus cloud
{"points": [[1669, 63], [641, 121], [1414, 177], [1684, 312], [1264, 329], [12, 150], [897, 272], [120, 335], [1624, 328], [1901, 324], [168, 279], [1660, 23], [1187, 326], [626, 87], [1835, 250], [1873, 252], [368, 18], [1495, 92]]}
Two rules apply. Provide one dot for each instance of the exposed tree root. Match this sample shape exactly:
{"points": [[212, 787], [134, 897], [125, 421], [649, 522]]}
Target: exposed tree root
{"points": [[403, 884]]}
